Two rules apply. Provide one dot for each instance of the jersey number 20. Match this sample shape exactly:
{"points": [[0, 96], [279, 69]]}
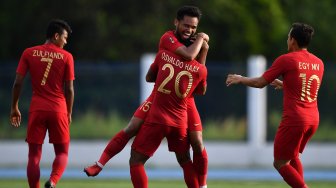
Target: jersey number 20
{"points": [[177, 81]]}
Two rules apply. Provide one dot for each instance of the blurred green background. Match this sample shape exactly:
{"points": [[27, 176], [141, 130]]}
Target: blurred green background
{"points": [[109, 37]]}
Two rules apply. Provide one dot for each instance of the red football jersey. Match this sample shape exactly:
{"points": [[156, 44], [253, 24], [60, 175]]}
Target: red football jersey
{"points": [[169, 42], [49, 67], [302, 74], [176, 81]]}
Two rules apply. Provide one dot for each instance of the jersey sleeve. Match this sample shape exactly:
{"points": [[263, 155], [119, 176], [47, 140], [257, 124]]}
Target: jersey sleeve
{"points": [[203, 82], [70, 68], [23, 63], [169, 42], [276, 70]]}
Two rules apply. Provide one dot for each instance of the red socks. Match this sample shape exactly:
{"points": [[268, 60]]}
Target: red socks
{"points": [[190, 176], [296, 163], [200, 163], [116, 144], [33, 167], [138, 176], [60, 162], [291, 176]]}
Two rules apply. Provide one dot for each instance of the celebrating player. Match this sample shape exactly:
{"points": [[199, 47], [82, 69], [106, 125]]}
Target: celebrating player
{"points": [[52, 73], [176, 81], [177, 41], [302, 74]]}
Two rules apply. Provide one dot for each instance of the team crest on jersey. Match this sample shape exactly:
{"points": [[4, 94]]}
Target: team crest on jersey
{"points": [[171, 40]]}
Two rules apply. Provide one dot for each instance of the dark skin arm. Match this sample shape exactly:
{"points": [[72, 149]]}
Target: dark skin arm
{"points": [[15, 114], [190, 53], [69, 97], [257, 82]]}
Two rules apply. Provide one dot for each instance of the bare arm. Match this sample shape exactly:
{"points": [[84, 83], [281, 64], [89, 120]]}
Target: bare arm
{"points": [[15, 114], [190, 53], [69, 97], [151, 75], [203, 53], [257, 82]]}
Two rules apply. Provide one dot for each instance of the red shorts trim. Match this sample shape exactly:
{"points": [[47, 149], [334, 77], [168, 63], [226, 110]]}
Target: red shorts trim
{"points": [[56, 123], [291, 140], [150, 136]]}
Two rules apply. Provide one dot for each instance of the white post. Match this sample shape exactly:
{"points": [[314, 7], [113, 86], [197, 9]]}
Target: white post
{"points": [[256, 104], [145, 88]]}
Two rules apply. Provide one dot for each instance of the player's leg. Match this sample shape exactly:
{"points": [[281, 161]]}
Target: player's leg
{"points": [[145, 144], [119, 141], [200, 156], [178, 142], [60, 162], [36, 131], [189, 173], [59, 135], [287, 145], [33, 166]]}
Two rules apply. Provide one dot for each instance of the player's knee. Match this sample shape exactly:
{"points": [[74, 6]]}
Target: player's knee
{"points": [[137, 158], [183, 157], [197, 144]]}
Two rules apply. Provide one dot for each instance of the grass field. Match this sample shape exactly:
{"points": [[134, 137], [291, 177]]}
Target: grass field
{"points": [[98, 183]]}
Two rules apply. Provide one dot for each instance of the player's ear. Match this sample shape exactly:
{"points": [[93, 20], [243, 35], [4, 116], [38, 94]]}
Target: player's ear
{"points": [[56, 36], [175, 22]]}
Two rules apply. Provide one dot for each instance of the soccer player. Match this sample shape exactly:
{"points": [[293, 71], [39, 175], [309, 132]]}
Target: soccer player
{"points": [[184, 42], [51, 70], [302, 74], [176, 80]]}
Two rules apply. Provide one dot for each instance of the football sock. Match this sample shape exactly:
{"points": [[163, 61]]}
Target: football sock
{"points": [[200, 163], [190, 176], [138, 176], [116, 144], [291, 176], [60, 161], [33, 166], [296, 163]]}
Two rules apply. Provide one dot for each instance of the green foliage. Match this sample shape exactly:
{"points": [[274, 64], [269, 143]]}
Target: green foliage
{"points": [[92, 125], [123, 30]]}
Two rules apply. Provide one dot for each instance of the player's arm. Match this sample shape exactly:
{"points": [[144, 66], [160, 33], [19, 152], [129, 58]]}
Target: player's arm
{"points": [[69, 97], [151, 75], [201, 58], [190, 53], [257, 82], [15, 114]]}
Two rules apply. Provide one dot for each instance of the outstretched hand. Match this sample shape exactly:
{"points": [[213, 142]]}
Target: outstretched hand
{"points": [[233, 79]]}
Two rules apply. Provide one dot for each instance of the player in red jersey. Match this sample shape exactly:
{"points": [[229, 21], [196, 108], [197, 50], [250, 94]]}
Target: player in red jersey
{"points": [[176, 80], [177, 41], [51, 70], [302, 74]]}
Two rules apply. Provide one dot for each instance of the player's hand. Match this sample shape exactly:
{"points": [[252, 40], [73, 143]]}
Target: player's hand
{"points": [[69, 118], [204, 36], [277, 84], [233, 79], [15, 117], [205, 45]]}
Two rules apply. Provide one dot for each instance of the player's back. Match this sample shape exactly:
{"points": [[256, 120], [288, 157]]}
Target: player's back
{"points": [[302, 79], [49, 67], [176, 81]]}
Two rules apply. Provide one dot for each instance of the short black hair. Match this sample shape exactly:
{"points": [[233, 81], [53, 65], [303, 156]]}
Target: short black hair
{"points": [[57, 26], [191, 11], [302, 33]]}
